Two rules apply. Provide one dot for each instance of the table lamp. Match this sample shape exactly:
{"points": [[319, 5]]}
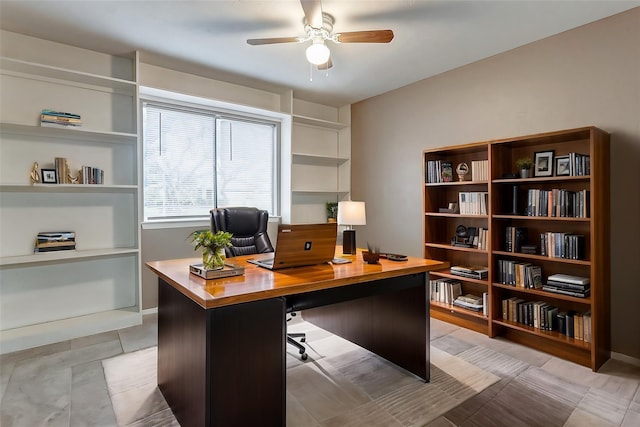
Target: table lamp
{"points": [[350, 213]]}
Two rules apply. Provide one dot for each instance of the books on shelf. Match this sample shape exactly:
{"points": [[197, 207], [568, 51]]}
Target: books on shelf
{"points": [[470, 302], [92, 175], [480, 170], [55, 241], [519, 274], [562, 245], [470, 271], [515, 237], [444, 290], [473, 202], [565, 284], [558, 202], [59, 119]]}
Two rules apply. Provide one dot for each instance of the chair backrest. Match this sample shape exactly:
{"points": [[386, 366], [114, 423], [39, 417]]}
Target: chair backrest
{"points": [[248, 225]]}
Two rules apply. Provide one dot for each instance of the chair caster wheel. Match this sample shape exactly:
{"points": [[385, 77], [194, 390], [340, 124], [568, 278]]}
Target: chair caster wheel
{"points": [[303, 339], [304, 356]]}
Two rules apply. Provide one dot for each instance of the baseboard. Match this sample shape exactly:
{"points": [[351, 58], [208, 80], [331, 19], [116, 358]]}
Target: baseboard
{"points": [[624, 358], [152, 310]]}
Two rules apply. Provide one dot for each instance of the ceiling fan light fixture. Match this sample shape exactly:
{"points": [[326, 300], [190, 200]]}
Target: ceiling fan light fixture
{"points": [[318, 53]]}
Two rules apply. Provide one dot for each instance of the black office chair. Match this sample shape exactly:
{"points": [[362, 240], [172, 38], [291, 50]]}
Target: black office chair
{"points": [[248, 226]]}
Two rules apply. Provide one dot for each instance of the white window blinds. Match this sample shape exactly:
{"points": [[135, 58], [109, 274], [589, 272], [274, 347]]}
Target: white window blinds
{"points": [[197, 160]]}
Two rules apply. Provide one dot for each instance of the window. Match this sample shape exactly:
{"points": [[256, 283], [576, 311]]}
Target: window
{"points": [[198, 159]]}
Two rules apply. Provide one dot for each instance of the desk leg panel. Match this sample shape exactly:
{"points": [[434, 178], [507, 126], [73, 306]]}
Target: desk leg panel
{"points": [[392, 324], [182, 340], [248, 365]]}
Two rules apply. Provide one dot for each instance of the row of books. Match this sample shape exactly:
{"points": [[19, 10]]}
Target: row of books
{"points": [[438, 171], [473, 202], [515, 238], [55, 241], [449, 291], [480, 170], [579, 164], [87, 175], [565, 284], [542, 315], [562, 245], [558, 203], [519, 274], [444, 290], [59, 118], [92, 175]]}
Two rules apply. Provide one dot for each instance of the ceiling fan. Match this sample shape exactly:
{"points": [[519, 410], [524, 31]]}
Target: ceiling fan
{"points": [[318, 27]]}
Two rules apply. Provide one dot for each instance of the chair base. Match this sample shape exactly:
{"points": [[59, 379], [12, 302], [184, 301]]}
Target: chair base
{"points": [[300, 347]]}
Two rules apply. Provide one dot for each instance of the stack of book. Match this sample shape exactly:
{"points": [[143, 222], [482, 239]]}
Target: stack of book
{"points": [[58, 118], [565, 284], [438, 171], [55, 241], [470, 271], [469, 302]]}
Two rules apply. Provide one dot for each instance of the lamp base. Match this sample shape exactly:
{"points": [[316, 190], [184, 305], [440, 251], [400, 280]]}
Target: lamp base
{"points": [[349, 242]]}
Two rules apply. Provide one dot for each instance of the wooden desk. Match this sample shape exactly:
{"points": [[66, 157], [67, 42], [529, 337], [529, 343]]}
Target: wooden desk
{"points": [[221, 343]]}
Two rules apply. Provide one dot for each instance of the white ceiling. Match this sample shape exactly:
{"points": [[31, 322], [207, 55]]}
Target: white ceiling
{"points": [[430, 36]]}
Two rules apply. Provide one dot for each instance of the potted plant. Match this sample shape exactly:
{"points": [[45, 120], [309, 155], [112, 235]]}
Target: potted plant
{"points": [[212, 244], [332, 211], [524, 165]]}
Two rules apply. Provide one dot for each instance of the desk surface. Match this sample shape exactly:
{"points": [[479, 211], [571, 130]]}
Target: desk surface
{"points": [[258, 283]]}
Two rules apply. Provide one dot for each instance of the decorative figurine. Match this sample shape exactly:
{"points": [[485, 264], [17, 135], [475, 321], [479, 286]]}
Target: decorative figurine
{"points": [[462, 170], [35, 174]]}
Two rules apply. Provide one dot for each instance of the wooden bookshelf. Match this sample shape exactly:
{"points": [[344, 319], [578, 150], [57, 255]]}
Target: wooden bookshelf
{"points": [[440, 228]]}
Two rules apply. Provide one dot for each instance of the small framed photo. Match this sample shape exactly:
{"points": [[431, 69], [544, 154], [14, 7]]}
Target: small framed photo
{"points": [[543, 163], [49, 176], [563, 166]]}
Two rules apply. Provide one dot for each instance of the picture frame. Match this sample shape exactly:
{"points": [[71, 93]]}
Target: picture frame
{"points": [[563, 166], [543, 163], [49, 176]]}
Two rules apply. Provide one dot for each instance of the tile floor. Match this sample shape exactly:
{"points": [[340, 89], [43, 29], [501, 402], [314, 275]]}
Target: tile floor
{"points": [[64, 384]]}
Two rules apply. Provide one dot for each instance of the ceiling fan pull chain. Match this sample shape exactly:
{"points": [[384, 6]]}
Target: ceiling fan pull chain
{"points": [[310, 72]]}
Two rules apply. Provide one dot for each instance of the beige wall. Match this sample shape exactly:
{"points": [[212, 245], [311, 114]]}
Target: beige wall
{"points": [[587, 76]]}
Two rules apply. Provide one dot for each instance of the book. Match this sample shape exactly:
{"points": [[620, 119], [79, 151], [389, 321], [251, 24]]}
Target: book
{"points": [[228, 271], [473, 272], [447, 171], [566, 278]]}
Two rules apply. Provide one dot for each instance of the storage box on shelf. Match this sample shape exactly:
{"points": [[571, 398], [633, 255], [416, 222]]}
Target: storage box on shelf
{"points": [[53, 296], [443, 221], [552, 239]]}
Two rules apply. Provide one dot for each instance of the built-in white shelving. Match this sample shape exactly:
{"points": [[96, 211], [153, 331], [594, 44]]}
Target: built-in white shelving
{"points": [[53, 296]]}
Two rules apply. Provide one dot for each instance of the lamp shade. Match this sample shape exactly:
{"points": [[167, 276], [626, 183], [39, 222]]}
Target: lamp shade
{"points": [[351, 213], [318, 53]]}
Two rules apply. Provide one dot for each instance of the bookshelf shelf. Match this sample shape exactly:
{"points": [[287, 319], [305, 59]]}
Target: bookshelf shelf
{"points": [[507, 200], [53, 296]]}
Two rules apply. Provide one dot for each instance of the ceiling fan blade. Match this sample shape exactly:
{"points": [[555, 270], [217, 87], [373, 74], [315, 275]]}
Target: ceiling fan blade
{"points": [[312, 12], [373, 36], [326, 65], [256, 42]]}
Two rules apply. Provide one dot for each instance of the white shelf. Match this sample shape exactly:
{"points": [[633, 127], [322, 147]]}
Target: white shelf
{"points": [[80, 134], [67, 329], [318, 160], [64, 256], [67, 188], [40, 71], [318, 122]]}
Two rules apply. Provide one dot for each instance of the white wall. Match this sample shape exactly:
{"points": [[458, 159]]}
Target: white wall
{"points": [[586, 76]]}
